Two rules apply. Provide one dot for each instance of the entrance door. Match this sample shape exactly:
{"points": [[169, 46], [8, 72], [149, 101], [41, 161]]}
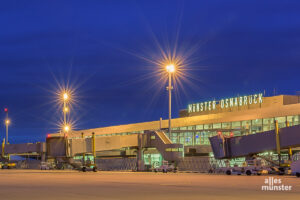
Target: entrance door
{"points": [[154, 160]]}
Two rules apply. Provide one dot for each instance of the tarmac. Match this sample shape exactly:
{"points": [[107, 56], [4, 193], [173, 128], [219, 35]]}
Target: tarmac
{"points": [[67, 185]]}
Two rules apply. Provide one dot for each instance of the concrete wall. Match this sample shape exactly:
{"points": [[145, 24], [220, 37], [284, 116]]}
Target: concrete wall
{"points": [[194, 164], [200, 149], [289, 99], [115, 164], [29, 164]]}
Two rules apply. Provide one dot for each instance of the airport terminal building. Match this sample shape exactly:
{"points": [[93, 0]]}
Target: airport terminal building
{"points": [[125, 147]]}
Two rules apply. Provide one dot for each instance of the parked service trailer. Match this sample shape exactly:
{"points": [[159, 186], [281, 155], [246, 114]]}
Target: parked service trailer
{"points": [[295, 166]]}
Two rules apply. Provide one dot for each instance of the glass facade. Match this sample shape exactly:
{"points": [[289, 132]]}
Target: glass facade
{"points": [[199, 134]]}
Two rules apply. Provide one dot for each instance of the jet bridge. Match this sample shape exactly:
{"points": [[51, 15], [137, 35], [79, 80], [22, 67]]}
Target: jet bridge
{"points": [[29, 149], [248, 145], [60, 146]]}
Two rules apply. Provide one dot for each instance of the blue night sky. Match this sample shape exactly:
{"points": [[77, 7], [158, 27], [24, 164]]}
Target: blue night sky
{"points": [[98, 47]]}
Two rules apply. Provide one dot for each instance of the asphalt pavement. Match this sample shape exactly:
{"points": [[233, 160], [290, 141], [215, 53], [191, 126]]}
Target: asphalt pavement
{"points": [[73, 185]]}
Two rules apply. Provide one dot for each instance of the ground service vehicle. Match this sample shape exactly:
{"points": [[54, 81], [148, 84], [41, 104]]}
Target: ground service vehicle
{"points": [[89, 166], [8, 165], [166, 167], [250, 167], [295, 166]]}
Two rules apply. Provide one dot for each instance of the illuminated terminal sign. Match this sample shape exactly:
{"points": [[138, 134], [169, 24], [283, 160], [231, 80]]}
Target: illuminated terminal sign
{"points": [[226, 103]]}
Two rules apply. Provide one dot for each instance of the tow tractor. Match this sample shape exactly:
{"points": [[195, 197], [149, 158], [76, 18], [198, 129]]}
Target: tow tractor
{"points": [[165, 167], [250, 167], [89, 166], [80, 165], [8, 165]]}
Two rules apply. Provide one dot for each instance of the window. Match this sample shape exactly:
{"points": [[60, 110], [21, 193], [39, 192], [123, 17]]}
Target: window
{"points": [[226, 125], [281, 121], [181, 138], [293, 120], [174, 137], [268, 124], [256, 126], [237, 127], [188, 138], [237, 133], [246, 127], [207, 126], [199, 127], [297, 121], [203, 138], [217, 126], [174, 149], [197, 138]]}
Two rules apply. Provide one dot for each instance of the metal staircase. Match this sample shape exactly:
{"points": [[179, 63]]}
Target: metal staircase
{"points": [[163, 137], [169, 151]]}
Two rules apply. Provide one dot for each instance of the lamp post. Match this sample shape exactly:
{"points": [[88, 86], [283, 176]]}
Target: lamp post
{"points": [[170, 69], [65, 108], [66, 130], [7, 122]]}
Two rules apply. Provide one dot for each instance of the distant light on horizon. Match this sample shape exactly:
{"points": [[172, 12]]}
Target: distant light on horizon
{"points": [[7, 122]]}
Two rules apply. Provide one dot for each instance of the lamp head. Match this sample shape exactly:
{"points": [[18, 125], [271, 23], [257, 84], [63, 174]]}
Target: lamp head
{"points": [[170, 68], [66, 109], [66, 96], [66, 128]]}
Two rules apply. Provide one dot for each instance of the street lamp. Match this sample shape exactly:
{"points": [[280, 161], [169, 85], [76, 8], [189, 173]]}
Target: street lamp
{"points": [[7, 122], [66, 128], [66, 96], [170, 69], [65, 108]]}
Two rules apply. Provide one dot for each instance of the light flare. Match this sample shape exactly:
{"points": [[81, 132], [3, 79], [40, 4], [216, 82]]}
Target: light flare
{"points": [[65, 96], [170, 68], [66, 128], [7, 122]]}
